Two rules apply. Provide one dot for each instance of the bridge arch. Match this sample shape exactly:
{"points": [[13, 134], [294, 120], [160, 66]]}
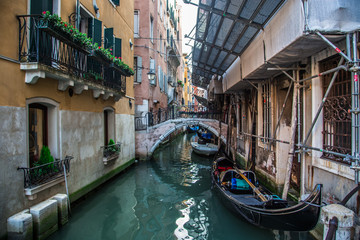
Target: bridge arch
{"points": [[182, 124]]}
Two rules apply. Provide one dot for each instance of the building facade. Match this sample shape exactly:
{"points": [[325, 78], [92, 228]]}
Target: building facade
{"points": [[66, 92], [273, 87], [157, 51]]}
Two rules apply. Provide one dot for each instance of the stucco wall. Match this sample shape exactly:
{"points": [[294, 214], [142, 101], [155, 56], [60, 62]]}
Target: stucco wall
{"points": [[81, 135]]}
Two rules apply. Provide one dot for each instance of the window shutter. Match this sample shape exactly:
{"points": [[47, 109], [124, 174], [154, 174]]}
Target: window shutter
{"points": [[118, 47], [155, 71], [165, 83], [116, 2], [97, 31], [139, 69], [109, 38], [159, 74]]}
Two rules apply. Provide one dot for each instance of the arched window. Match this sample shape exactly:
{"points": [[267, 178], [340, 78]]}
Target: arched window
{"points": [[43, 128]]}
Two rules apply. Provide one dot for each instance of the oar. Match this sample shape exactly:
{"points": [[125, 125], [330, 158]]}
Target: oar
{"points": [[256, 190]]}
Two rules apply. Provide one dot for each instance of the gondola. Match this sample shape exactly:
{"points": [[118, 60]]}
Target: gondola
{"points": [[240, 192], [204, 136], [192, 128]]}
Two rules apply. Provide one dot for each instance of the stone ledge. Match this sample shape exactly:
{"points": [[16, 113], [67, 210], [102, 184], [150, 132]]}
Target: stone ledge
{"points": [[31, 193]]}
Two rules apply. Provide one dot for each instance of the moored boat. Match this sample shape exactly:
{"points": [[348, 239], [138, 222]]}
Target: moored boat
{"points": [[241, 193], [206, 149], [192, 128]]}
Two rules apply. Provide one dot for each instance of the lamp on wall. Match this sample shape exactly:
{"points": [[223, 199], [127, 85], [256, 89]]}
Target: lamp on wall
{"points": [[151, 75], [130, 103]]}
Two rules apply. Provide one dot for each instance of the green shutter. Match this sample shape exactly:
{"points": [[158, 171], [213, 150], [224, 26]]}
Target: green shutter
{"points": [[139, 69], [117, 47], [97, 27], [116, 2], [109, 38]]}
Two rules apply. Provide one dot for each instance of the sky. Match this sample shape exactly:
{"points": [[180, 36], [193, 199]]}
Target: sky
{"points": [[189, 13]]}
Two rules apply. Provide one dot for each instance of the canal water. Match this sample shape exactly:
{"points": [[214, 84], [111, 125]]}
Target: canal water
{"points": [[168, 197]]}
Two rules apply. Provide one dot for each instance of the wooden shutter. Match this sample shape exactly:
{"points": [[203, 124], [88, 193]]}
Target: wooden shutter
{"points": [[139, 69], [94, 30], [97, 31], [117, 47], [109, 38]]}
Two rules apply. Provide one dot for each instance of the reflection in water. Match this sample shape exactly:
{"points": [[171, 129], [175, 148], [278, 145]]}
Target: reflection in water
{"points": [[169, 197]]}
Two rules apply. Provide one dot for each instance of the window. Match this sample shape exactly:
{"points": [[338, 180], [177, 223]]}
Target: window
{"points": [[337, 119], [151, 29], [42, 127], [266, 110], [37, 131], [136, 23], [109, 125]]}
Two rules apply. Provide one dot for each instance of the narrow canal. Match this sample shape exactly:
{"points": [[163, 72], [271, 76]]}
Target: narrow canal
{"points": [[169, 197]]}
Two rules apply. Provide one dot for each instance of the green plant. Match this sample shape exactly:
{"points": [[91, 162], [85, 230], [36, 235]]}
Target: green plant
{"points": [[45, 158], [112, 147]]}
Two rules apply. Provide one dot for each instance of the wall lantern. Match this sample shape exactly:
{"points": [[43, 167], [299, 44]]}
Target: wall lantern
{"points": [[151, 75]]}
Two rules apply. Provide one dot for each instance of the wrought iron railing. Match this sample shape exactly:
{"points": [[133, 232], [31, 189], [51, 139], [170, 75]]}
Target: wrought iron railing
{"points": [[38, 43], [156, 117], [45, 173], [111, 151]]}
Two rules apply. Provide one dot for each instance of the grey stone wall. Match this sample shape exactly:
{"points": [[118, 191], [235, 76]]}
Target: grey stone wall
{"points": [[12, 154], [81, 136]]}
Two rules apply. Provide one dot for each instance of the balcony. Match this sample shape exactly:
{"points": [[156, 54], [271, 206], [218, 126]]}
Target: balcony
{"points": [[173, 52], [39, 178], [45, 52]]}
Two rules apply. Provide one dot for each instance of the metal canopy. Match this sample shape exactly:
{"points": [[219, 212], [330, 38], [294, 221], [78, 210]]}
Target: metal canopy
{"points": [[224, 29]]}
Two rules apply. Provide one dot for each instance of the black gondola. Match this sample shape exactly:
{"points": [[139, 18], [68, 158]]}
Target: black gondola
{"points": [[243, 196]]}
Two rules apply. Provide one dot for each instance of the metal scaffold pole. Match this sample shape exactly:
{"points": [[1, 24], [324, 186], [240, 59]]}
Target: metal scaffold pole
{"points": [[355, 109]]}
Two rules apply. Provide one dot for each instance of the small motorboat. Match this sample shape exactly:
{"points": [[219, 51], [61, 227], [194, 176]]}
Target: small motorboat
{"points": [[241, 193], [206, 149]]}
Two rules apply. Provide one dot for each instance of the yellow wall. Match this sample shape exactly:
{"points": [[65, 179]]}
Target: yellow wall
{"points": [[14, 91]]}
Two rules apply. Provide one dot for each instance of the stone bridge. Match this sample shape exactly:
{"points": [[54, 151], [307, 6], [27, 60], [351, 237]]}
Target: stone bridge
{"points": [[148, 140]]}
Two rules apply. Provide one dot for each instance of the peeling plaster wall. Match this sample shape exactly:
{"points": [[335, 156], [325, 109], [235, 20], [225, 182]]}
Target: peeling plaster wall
{"points": [[12, 154], [81, 135]]}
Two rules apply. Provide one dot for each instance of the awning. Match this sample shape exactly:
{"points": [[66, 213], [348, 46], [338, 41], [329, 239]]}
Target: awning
{"points": [[224, 29]]}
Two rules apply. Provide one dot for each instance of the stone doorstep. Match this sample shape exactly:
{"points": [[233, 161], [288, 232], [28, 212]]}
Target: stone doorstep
{"points": [[45, 218], [62, 204], [20, 226], [31, 193]]}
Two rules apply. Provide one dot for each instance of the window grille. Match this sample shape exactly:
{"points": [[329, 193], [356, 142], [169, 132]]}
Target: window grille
{"points": [[337, 119]]}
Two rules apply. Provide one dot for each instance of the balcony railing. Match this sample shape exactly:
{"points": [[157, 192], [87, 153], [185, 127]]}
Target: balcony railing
{"points": [[45, 173], [38, 43], [111, 152], [153, 118]]}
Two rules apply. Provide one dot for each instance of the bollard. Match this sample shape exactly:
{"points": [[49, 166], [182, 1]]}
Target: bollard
{"points": [[345, 216], [20, 226]]}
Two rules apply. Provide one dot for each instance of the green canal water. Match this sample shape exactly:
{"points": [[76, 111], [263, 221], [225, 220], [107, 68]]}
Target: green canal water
{"points": [[168, 197]]}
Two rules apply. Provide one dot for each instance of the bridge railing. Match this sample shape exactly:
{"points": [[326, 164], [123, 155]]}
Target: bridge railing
{"points": [[153, 118]]}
